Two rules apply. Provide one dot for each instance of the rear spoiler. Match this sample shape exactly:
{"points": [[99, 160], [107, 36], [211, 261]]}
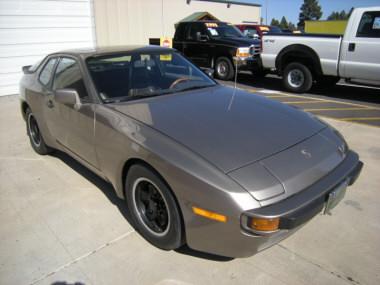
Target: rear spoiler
{"points": [[26, 70]]}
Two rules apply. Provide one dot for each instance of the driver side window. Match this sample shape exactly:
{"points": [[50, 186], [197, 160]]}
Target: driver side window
{"points": [[194, 29], [68, 75]]}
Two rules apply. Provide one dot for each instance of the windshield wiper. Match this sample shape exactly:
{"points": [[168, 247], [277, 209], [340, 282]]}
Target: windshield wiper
{"points": [[195, 87], [135, 97]]}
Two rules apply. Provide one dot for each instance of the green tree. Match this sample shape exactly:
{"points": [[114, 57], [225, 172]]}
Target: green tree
{"points": [[275, 22], [310, 10], [342, 15], [284, 23], [291, 26]]}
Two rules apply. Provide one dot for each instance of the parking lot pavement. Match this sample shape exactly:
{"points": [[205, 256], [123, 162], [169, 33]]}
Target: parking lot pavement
{"points": [[343, 102], [61, 223]]}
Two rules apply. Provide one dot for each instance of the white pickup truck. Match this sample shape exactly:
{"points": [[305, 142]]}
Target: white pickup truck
{"points": [[304, 59]]}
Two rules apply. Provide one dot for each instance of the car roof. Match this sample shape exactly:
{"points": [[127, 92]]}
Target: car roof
{"points": [[99, 51]]}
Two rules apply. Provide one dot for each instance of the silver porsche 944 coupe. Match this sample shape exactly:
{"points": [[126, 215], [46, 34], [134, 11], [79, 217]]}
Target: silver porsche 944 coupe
{"points": [[225, 171]]}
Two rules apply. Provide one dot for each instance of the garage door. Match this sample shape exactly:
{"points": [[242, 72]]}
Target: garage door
{"points": [[30, 29]]}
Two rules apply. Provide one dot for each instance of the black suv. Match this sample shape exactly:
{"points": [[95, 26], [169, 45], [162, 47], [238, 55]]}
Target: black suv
{"points": [[218, 45]]}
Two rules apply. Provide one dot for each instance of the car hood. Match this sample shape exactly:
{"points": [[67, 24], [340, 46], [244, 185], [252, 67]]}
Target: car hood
{"points": [[229, 128], [238, 42], [292, 170]]}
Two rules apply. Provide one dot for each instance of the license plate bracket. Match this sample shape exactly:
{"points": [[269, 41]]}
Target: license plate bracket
{"points": [[334, 197]]}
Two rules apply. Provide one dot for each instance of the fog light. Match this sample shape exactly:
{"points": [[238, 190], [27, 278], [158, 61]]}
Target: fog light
{"points": [[264, 225]]}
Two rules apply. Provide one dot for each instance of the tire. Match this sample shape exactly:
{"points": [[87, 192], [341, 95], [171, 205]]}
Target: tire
{"points": [[224, 69], [297, 78], [35, 136], [147, 198]]}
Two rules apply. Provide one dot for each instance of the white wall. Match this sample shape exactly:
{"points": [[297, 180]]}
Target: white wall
{"points": [[30, 29], [135, 21]]}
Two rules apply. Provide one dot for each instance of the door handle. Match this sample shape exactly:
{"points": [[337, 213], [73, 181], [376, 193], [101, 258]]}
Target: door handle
{"points": [[50, 103], [351, 47]]}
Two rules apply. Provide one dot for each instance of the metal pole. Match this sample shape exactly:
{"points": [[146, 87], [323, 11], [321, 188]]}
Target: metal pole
{"points": [[266, 12], [162, 19]]}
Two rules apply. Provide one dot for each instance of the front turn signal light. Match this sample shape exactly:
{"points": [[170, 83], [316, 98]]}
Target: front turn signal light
{"points": [[264, 225], [209, 215]]}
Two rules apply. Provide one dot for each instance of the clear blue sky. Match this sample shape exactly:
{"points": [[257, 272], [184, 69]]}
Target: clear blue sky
{"points": [[291, 8]]}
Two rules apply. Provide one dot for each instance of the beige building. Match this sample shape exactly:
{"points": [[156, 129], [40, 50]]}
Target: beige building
{"points": [[135, 21]]}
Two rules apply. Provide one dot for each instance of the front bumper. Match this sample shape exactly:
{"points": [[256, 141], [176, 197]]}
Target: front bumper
{"points": [[300, 208], [235, 241], [250, 63]]}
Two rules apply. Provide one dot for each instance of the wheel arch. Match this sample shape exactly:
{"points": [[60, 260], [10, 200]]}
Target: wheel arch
{"points": [[299, 53], [24, 107]]}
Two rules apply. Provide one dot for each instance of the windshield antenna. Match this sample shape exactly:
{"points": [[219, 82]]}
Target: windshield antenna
{"points": [[235, 85]]}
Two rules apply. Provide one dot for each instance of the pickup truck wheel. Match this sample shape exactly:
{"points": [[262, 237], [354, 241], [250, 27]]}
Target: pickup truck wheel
{"points": [[297, 78], [224, 69]]}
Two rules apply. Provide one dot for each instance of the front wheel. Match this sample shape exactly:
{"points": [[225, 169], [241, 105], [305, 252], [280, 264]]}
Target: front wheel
{"points": [[153, 208], [297, 78], [35, 135], [224, 69]]}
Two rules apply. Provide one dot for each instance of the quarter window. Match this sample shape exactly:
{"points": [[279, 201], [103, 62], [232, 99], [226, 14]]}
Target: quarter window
{"points": [[369, 26], [47, 71], [68, 75]]}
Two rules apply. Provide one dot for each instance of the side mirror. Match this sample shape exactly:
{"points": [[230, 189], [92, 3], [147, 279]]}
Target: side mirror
{"points": [[256, 37], [25, 69], [67, 97], [201, 38]]}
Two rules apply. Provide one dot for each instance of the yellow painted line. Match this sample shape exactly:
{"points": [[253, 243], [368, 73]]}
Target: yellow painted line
{"points": [[308, 102], [322, 100], [356, 122], [276, 96], [336, 109], [361, 119]]}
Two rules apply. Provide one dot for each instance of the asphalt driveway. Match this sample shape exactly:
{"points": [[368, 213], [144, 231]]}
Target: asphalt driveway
{"points": [[344, 102], [61, 224]]}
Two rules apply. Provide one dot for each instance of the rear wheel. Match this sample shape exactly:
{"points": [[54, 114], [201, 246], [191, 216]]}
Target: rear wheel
{"points": [[35, 135], [153, 208], [297, 78], [224, 69]]}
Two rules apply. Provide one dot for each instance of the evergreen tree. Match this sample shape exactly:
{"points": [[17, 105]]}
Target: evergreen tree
{"points": [[291, 26], [284, 23], [275, 22], [310, 10], [342, 15]]}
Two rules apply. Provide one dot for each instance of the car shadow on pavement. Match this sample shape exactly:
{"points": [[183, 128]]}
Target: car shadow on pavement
{"points": [[110, 193], [354, 93], [100, 183], [65, 283], [203, 255]]}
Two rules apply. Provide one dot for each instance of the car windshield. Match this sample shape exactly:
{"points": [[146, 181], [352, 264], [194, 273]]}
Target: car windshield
{"points": [[122, 77], [223, 30]]}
